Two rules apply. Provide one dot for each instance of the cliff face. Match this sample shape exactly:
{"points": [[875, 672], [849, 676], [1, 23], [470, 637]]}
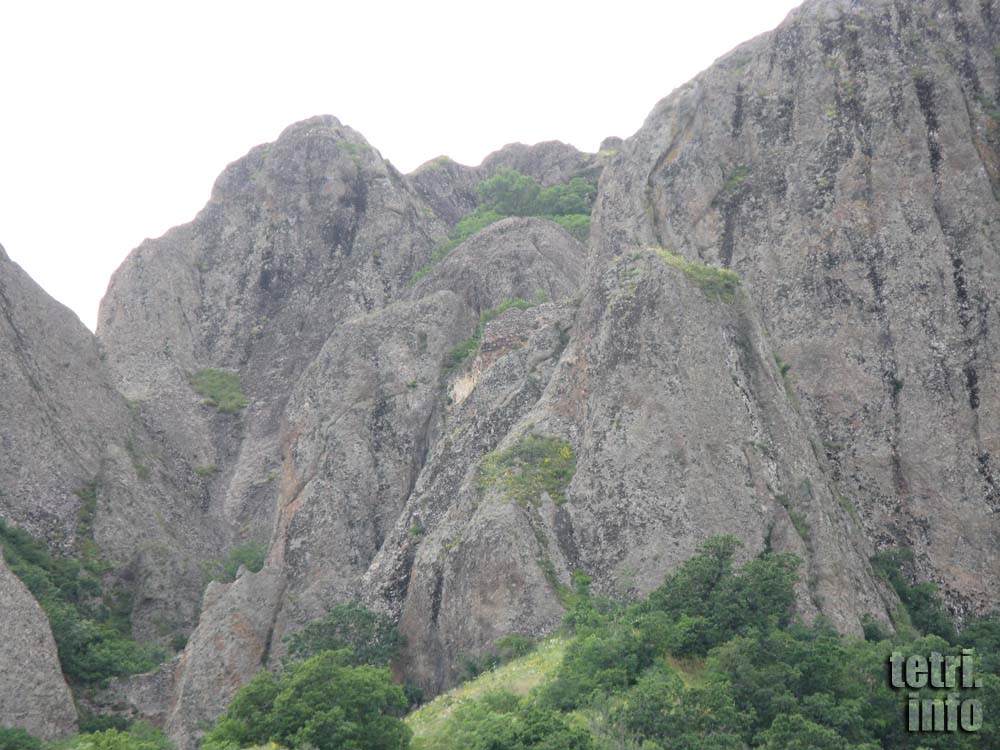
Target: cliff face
{"points": [[781, 330], [64, 428], [33, 693], [846, 167]]}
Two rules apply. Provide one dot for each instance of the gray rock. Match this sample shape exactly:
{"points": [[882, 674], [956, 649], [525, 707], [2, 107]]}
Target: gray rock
{"points": [[512, 259], [33, 693], [845, 166]]}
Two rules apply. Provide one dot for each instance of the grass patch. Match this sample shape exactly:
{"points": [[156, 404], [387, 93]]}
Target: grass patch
{"points": [[469, 346], [577, 225], [533, 465], [736, 179], [220, 389], [520, 677], [138, 459], [251, 555], [717, 284], [204, 472]]}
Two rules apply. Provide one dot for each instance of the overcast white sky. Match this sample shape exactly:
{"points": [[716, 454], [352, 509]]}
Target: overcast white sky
{"points": [[115, 118]]}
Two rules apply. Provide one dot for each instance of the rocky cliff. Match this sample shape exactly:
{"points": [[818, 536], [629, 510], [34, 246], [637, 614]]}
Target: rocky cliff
{"points": [[33, 693], [779, 329]]}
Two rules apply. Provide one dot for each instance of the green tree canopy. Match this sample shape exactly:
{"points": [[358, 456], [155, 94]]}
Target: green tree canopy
{"points": [[322, 703]]}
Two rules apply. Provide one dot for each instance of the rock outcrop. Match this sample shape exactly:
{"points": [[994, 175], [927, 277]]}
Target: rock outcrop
{"points": [[783, 328], [845, 166], [33, 693]]}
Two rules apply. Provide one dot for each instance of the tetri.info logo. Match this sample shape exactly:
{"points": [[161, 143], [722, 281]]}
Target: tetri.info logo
{"points": [[941, 711]]}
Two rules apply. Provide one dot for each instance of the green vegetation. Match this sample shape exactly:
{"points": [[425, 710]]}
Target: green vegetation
{"points": [[206, 471], [713, 659], [220, 389], [924, 606], [507, 649], [533, 465], [717, 284], [520, 677], [467, 226], [510, 193], [90, 625], [504, 721], [250, 555], [137, 457], [738, 176], [321, 703], [468, 347], [139, 736], [18, 739], [370, 637]]}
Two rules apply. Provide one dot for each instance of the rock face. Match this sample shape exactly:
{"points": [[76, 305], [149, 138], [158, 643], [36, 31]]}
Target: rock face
{"points": [[783, 328], [33, 693], [846, 166], [66, 428]]}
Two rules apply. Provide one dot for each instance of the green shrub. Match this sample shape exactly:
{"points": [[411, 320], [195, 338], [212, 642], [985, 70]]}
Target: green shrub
{"points": [[736, 178], [251, 555], [503, 721], [717, 284], [596, 666], [140, 736], [510, 193], [926, 609], [568, 198], [323, 703], [90, 625], [467, 226], [505, 650], [220, 389], [91, 722], [577, 225], [371, 637], [17, 739], [710, 603], [469, 347], [532, 466]]}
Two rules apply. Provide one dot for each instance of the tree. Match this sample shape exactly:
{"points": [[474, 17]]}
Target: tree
{"points": [[511, 193], [17, 739], [139, 737], [322, 702]]}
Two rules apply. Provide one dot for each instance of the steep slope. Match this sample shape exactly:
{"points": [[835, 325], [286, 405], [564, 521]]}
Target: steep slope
{"points": [[781, 331], [33, 693], [846, 167], [66, 433]]}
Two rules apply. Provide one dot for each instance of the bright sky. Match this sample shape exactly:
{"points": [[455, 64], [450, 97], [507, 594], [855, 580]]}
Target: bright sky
{"points": [[117, 117]]}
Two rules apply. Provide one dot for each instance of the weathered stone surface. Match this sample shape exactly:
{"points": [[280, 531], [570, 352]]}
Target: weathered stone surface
{"points": [[33, 693], [63, 427], [511, 259], [460, 571], [846, 166], [57, 408], [230, 645]]}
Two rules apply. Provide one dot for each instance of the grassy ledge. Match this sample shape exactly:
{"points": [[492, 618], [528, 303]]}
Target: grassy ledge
{"points": [[717, 284], [220, 389], [533, 465], [520, 677]]}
